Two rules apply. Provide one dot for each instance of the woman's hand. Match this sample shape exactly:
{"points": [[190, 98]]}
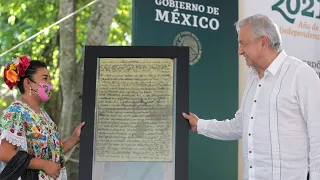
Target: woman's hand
{"points": [[74, 139], [77, 131], [52, 169]]}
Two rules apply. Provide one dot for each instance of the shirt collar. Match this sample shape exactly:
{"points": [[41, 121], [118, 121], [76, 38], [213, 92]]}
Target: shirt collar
{"points": [[274, 66]]}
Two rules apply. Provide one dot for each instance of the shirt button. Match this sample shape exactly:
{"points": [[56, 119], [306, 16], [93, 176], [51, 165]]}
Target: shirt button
{"points": [[249, 151], [259, 85], [251, 117], [249, 134], [255, 100], [250, 166]]}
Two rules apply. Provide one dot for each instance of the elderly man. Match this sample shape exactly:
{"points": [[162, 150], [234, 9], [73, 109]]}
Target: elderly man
{"points": [[279, 118]]}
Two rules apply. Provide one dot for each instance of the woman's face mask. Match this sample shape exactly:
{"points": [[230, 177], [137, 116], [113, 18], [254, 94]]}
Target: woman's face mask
{"points": [[44, 91]]}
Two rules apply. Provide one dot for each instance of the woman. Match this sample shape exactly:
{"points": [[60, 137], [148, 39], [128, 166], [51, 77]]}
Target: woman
{"points": [[25, 126]]}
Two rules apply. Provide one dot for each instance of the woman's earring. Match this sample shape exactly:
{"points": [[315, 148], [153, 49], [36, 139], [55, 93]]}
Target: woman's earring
{"points": [[30, 92]]}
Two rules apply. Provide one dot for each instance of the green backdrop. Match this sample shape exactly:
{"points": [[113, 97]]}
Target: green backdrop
{"points": [[213, 69]]}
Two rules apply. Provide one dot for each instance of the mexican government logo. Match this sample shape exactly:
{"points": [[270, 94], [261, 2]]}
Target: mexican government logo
{"points": [[191, 40]]}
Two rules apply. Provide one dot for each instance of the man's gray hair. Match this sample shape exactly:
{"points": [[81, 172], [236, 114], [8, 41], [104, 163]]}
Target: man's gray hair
{"points": [[261, 25]]}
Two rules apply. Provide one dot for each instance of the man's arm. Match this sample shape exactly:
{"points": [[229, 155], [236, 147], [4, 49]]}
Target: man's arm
{"points": [[307, 86], [221, 130]]}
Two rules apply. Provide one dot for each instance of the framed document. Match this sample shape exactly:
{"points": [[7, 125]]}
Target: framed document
{"points": [[133, 99]]}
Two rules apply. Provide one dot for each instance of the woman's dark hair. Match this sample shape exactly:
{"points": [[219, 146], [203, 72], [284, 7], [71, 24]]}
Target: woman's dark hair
{"points": [[32, 69]]}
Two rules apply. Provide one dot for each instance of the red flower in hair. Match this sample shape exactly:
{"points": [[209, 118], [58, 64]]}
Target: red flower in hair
{"points": [[25, 62], [20, 70], [15, 70], [23, 65]]}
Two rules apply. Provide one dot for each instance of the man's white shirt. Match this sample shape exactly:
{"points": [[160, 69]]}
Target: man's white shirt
{"points": [[278, 121]]}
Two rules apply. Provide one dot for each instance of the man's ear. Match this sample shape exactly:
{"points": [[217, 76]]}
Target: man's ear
{"points": [[265, 41]]}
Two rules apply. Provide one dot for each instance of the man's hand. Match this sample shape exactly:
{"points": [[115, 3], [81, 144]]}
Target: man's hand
{"points": [[193, 121]]}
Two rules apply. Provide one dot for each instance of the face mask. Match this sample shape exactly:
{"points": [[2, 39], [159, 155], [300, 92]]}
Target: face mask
{"points": [[44, 91]]}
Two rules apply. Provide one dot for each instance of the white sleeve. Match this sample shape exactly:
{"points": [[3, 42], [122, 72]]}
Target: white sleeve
{"points": [[307, 84], [222, 130]]}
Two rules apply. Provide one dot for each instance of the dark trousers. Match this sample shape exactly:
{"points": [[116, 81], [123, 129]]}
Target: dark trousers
{"points": [[308, 177]]}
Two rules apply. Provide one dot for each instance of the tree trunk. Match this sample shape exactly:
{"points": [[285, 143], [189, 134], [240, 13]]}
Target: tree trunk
{"points": [[67, 66], [71, 74], [100, 22], [67, 69], [98, 31]]}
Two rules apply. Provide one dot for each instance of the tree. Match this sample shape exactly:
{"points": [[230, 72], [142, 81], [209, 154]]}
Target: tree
{"points": [[71, 70]]}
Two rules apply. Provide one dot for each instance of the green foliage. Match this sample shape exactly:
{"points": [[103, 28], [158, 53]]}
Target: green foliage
{"points": [[21, 19], [120, 30]]}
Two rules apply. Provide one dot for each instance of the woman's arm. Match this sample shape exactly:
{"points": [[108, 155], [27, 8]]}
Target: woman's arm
{"points": [[70, 143], [74, 139], [8, 150]]}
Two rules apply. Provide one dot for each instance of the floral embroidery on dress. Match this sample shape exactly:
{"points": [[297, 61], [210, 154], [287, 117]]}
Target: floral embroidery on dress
{"points": [[35, 133]]}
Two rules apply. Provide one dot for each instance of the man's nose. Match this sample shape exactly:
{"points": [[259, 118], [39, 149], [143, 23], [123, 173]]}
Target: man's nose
{"points": [[240, 51]]}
